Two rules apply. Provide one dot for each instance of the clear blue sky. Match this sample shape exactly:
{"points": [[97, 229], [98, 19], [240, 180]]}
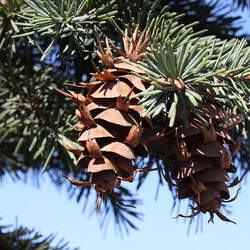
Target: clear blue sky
{"points": [[50, 211]]}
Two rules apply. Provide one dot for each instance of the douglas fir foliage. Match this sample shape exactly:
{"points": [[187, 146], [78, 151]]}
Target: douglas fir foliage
{"points": [[163, 97], [23, 238]]}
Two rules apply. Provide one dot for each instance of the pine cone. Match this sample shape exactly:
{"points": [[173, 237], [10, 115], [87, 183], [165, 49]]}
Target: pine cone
{"points": [[201, 158], [110, 121]]}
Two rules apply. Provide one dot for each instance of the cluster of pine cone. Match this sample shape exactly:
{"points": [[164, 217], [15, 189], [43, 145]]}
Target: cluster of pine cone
{"points": [[111, 126]]}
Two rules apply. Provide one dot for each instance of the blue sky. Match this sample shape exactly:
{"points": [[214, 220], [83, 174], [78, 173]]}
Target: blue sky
{"points": [[50, 211]]}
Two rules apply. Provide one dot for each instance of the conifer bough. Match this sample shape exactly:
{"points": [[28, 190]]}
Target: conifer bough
{"points": [[192, 83]]}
